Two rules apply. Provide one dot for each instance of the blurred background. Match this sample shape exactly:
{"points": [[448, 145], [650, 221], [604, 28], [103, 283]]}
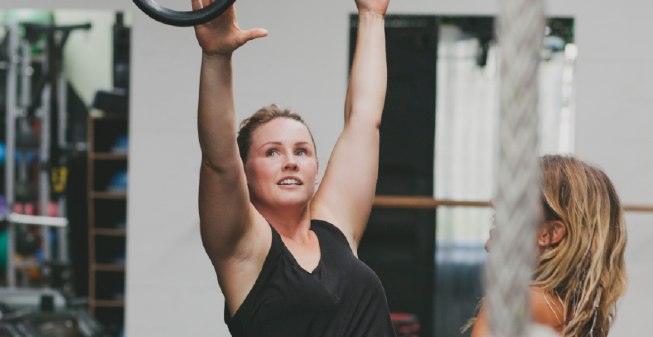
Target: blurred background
{"points": [[94, 95], [63, 150]]}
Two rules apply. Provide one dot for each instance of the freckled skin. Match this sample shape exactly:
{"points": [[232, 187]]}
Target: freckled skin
{"points": [[268, 163]]}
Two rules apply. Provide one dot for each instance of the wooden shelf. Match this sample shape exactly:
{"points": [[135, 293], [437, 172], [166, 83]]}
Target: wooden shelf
{"points": [[108, 195], [108, 156], [108, 267], [108, 303], [109, 232]]}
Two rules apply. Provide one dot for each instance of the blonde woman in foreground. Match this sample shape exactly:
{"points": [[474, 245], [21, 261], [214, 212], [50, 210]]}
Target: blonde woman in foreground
{"points": [[581, 271]]}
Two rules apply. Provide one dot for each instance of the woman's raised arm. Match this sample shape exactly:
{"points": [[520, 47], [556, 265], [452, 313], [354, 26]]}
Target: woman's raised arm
{"points": [[226, 214], [347, 192]]}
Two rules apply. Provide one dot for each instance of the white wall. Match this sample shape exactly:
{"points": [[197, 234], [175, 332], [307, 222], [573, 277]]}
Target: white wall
{"points": [[88, 55], [171, 288]]}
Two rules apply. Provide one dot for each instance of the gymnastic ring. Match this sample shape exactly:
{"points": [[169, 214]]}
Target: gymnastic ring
{"points": [[183, 19]]}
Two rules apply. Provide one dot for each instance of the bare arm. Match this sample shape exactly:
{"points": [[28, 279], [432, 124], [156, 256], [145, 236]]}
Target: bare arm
{"points": [[224, 206], [347, 192], [228, 220]]}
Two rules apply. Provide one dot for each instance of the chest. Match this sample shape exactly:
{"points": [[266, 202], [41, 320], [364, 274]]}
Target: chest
{"points": [[320, 278], [340, 296], [307, 254]]}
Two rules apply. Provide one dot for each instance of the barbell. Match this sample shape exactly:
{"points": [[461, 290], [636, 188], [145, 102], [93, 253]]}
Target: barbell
{"points": [[183, 19]]}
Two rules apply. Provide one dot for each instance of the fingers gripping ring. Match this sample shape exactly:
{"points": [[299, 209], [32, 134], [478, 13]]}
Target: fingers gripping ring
{"points": [[183, 19]]}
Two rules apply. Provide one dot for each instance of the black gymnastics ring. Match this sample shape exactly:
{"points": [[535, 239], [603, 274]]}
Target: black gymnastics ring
{"points": [[183, 19]]}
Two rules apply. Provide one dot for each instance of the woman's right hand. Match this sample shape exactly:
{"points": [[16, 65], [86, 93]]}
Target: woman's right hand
{"points": [[222, 36]]}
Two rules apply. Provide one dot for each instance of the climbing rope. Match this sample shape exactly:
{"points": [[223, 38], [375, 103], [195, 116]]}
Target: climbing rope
{"points": [[520, 30]]}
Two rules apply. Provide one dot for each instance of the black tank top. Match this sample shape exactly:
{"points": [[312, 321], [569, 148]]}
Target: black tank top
{"points": [[342, 297]]}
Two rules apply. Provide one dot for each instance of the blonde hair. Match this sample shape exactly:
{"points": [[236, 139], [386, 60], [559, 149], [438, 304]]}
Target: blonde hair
{"points": [[262, 116], [586, 270]]}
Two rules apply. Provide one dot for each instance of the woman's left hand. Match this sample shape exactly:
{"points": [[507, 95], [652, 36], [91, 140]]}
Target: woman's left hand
{"points": [[375, 6]]}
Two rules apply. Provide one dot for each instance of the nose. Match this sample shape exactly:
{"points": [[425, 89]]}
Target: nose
{"points": [[488, 243], [291, 165]]}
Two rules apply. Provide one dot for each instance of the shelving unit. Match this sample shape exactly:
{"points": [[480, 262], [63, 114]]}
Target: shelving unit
{"points": [[35, 203], [107, 212]]}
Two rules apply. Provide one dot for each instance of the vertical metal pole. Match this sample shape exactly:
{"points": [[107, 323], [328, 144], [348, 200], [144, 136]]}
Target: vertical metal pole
{"points": [[44, 150], [25, 74], [62, 233], [44, 177], [25, 95], [10, 129], [11, 256], [25, 91], [62, 92], [62, 100]]}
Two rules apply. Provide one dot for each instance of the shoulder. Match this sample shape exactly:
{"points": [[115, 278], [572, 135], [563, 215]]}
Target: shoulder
{"points": [[546, 308], [320, 213], [481, 323], [331, 229]]}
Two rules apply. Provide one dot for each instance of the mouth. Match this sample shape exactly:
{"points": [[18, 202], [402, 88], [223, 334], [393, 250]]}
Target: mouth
{"points": [[290, 181]]}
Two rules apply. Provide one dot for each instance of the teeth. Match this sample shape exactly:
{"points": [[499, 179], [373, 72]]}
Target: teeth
{"points": [[289, 182]]}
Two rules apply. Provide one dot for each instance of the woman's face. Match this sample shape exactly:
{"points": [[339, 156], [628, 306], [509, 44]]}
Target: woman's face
{"points": [[281, 166], [549, 233]]}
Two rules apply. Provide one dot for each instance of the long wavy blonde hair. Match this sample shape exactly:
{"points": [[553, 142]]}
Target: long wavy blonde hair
{"points": [[586, 270]]}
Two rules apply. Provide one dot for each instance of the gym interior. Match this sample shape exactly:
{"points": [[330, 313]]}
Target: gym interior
{"points": [[100, 158]]}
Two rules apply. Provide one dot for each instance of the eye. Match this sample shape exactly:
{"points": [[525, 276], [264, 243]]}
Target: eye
{"points": [[301, 152], [271, 153]]}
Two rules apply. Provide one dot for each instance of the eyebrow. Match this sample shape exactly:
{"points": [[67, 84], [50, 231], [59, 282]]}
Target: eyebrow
{"points": [[270, 143], [279, 143]]}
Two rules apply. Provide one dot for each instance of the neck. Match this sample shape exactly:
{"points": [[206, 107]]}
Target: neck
{"points": [[291, 222]]}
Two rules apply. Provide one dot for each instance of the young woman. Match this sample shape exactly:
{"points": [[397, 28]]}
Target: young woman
{"points": [[581, 271], [285, 256]]}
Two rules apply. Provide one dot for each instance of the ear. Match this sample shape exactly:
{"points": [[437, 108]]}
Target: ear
{"points": [[551, 233], [317, 172], [245, 169]]}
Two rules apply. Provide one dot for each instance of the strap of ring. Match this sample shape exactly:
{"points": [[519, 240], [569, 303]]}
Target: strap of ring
{"points": [[183, 19]]}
